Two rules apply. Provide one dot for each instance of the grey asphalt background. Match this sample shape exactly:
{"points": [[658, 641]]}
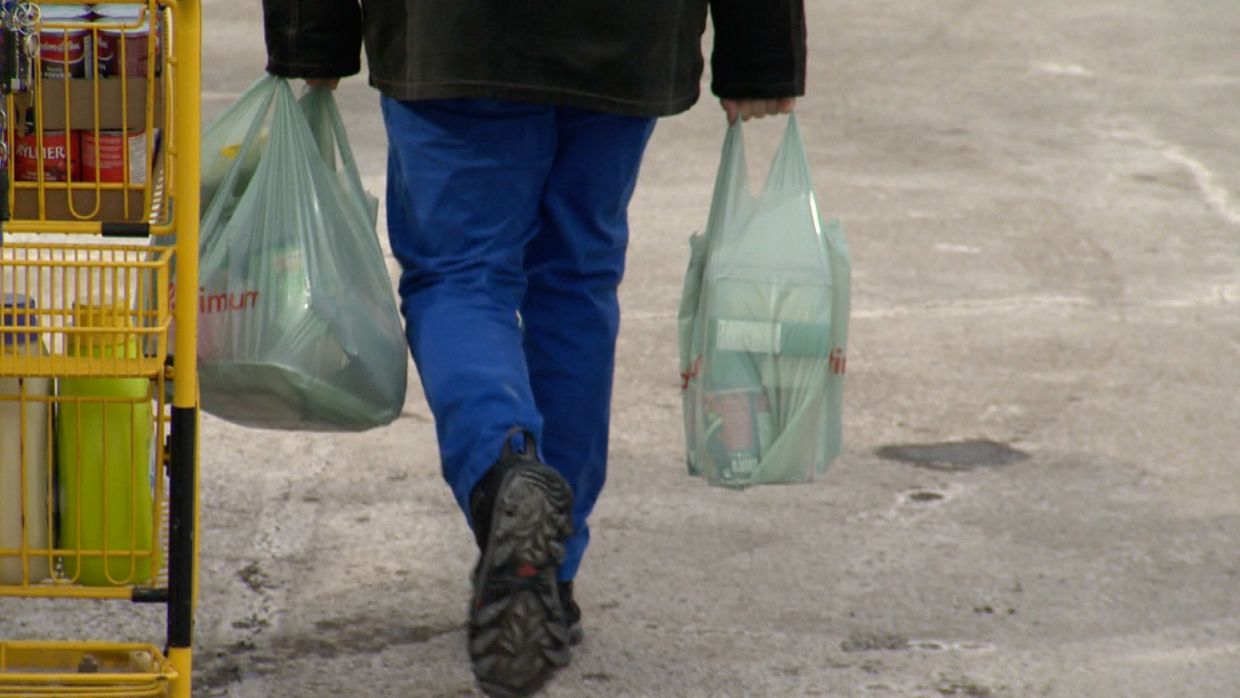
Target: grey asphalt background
{"points": [[1043, 206]]}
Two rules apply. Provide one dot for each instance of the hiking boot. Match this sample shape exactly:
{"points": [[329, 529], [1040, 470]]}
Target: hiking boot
{"points": [[522, 514], [572, 614]]}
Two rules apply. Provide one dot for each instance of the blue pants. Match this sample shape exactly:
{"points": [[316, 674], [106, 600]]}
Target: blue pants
{"points": [[510, 224]]}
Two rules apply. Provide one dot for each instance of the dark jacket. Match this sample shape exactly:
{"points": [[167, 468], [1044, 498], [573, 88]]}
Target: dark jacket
{"points": [[640, 57]]}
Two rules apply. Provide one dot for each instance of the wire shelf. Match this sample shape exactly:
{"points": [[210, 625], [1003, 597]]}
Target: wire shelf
{"points": [[84, 310], [83, 669]]}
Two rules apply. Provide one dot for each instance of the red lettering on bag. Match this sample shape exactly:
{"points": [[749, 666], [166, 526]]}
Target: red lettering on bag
{"points": [[692, 373], [217, 302], [839, 362], [226, 301]]}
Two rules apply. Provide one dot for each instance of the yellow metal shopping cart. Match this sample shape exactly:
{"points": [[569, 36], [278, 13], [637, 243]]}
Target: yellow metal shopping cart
{"points": [[98, 379]]}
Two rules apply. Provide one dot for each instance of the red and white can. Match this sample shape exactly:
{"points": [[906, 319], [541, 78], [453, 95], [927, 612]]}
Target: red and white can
{"points": [[65, 51], [125, 40], [106, 155], [60, 157]]}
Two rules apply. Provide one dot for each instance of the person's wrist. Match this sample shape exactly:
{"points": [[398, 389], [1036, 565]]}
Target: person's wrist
{"points": [[746, 109]]}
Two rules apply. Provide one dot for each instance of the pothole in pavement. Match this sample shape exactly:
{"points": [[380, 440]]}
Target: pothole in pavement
{"points": [[954, 456]]}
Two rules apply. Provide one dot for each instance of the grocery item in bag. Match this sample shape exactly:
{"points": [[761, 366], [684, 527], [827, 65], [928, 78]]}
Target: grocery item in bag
{"points": [[763, 327]]}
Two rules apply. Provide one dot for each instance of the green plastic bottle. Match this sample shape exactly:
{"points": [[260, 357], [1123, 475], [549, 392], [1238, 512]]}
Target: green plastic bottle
{"points": [[104, 466]]}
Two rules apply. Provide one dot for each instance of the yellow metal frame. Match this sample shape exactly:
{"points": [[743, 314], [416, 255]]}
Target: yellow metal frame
{"points": [[117, 669], [161, 200], [67, 585]]}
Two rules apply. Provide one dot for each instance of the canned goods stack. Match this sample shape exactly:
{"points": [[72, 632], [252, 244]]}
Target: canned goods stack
{"points": [[89, 121], [78, 39]]}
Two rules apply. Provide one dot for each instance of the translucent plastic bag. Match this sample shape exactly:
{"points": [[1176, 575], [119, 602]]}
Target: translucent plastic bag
{"points": [[319, 107], [763, 327], [298, 327], [222, 139]]}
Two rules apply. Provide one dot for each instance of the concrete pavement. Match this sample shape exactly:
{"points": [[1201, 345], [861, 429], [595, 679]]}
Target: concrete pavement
{"points": [[1038, 495]]}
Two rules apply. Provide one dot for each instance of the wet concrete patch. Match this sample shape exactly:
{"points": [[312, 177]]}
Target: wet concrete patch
{"points": [[963, 686], [353, 636], [954, 456], [925, 497], [874, 642], [597, 676], [895, 642], [254, 577]]}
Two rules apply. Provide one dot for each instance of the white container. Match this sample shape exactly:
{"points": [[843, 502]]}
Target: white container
{"points": [[24, 455]]}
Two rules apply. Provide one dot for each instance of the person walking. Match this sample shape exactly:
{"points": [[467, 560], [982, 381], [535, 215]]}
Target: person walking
{"points": [[516, 130]]}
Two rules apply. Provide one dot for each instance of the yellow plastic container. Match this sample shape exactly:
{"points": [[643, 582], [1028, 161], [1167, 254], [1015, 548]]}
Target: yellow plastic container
{"points": [[104, 463]]}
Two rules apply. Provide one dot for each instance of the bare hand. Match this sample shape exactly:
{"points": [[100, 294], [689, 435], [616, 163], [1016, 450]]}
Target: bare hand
{"points": [[329, 83], [747, 109]]}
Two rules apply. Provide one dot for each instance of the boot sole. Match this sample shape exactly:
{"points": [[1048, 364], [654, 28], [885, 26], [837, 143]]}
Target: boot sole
{"points": [[519, 639]]}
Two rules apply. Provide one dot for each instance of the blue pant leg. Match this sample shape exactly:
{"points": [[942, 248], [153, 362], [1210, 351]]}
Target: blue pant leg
{"points": [[464, 181], [571, 313]]}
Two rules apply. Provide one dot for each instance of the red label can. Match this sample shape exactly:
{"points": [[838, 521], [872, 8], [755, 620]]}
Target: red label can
{"points": [[65, 51], [59, 156], [125, 40], [105, 157]]}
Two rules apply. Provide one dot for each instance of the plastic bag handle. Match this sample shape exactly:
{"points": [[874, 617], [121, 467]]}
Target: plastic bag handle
{"points": [[790, 169], [731, 182], [265, 89], [789, 174], [327, 125], [321, 111]]}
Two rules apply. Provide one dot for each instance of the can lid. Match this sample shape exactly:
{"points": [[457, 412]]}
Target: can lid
{"points": [[122, 12], [120, 9], [17, 312], [63, 12], [123, 18], [118, 26]]}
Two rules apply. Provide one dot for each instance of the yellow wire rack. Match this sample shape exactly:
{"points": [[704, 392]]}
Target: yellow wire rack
{"points": [[66, 134], [65, 669], [98, 373]]}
